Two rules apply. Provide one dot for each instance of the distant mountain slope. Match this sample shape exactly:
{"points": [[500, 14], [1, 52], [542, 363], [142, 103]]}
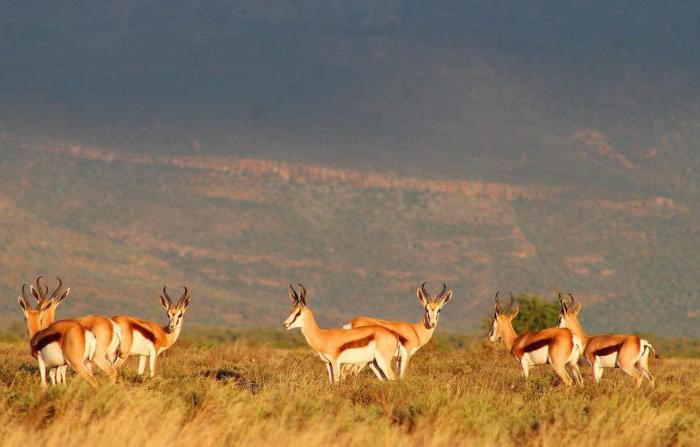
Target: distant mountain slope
{"points": [[362, 147], [119, 225]]}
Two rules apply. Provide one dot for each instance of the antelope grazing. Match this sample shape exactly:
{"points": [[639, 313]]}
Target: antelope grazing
{"points": [[148, 339], [370, 344], [555, 346], [413, 335], [62, 343], [626, 352], [106, 331]]}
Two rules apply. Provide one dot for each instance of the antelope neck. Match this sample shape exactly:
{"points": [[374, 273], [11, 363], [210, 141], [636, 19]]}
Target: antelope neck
{"points": [[310, 329], [424, 333], [577, 329], [508, 335], [171, 337]]}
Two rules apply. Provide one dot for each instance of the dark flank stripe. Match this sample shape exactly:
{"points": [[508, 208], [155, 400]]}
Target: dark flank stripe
{"points": [[537, 345], [607, 350], [44, 340], [402, 339], [147, 333], [359, 343]]}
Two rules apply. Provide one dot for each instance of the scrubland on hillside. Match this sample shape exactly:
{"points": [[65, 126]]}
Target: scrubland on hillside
{"points": [[210, 393], [236, 231]]}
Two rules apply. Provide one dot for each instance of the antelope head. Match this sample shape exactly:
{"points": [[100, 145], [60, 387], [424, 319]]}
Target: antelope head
{"points": [[433, 304], [33, 317], [299, 308], [502, 318], [175, 312], [41, 293], [568, 317]]}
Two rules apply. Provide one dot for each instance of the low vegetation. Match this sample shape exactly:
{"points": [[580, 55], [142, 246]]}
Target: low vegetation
{"points": [[120, 228], [265, 388]]}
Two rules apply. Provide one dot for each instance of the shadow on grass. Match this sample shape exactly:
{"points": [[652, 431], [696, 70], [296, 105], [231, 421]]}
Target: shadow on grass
{"points": [[230, 375]]}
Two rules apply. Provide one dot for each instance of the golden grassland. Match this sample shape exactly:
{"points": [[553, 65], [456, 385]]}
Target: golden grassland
{"points": [[210, 392]]}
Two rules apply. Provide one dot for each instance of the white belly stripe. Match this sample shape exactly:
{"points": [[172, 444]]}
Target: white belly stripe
{"points": [[364, 354], [608, 361], [539, 356], [141, 345]]}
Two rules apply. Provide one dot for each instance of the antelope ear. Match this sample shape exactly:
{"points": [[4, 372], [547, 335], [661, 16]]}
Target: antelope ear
{"points": [[164, 302], [62, 297], [446, 298], [45, 305], [577, 309], [514, 313], [421, 297], [22, 303], [186, 303], [35, 293]]}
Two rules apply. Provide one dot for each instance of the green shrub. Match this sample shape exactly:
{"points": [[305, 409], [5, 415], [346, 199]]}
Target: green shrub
{"points": [[535, 314]]}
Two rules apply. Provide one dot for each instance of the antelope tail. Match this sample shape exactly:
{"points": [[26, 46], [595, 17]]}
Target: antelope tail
{"points": [[578, 347], [90, 345], [646, 345], [347, 326], [115, 347]]}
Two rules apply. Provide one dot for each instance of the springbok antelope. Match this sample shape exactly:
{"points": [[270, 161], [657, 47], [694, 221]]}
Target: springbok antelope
{"points": [[106, 331], [555, 346], [148, 339], [370, 344], [413, 335], [623, 351], [62, 343]]}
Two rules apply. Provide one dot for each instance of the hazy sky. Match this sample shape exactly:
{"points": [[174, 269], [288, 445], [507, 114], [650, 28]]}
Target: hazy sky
{"points": [[322, 77]]}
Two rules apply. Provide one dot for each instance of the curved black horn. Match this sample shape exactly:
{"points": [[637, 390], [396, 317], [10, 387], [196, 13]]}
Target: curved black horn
{"points": [[41, 290], [184, 295], [573, 301], [425, 292], [55, 293], [293, 295], [442, 292], [24, 292], [302, 289], [166, 296], [512, 301], [564, 306], [497, 306]]}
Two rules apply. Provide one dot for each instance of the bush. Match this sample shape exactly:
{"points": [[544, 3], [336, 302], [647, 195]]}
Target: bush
{"points": [[535, 314]]}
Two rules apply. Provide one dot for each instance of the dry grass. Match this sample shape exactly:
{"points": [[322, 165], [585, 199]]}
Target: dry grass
{"points": [[243, 394]]}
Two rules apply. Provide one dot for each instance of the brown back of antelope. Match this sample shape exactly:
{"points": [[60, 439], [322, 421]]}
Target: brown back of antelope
{"points": [[625, 351], [413, 336], [555, 346], [62, 343], [148, 339], [107, 333], [370, 344]]}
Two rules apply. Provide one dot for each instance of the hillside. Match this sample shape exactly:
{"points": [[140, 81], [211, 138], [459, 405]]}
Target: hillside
{"points": [[360, 147], [119, 225]]}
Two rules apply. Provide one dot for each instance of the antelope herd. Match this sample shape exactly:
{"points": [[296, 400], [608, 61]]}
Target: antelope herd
{"points": [[109, 342]]}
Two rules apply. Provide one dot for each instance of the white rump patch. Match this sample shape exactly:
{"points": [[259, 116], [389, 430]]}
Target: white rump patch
{"points": [[53, 355], [538, 356]]}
